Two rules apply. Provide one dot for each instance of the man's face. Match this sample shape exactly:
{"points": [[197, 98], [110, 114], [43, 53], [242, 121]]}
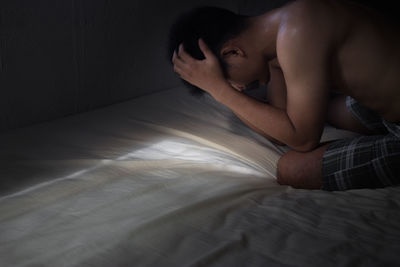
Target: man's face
{"points": [[243, 73]]}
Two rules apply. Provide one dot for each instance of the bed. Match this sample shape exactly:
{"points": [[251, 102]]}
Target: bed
{"points": [[169, 179]]}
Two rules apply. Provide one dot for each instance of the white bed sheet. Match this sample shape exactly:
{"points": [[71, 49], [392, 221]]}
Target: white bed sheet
{"points": [[171, 180]]}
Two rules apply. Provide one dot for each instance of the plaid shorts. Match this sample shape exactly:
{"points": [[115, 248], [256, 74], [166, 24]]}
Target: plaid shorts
{"points": [[364, 161]]}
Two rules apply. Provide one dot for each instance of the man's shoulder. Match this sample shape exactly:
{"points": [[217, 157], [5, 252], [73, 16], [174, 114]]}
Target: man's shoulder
{"points": [[308, 19], [306, 38], [310, 5], [310, 11]]}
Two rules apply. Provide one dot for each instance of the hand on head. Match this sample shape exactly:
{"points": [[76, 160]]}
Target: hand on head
{"points": [[206, 74]]}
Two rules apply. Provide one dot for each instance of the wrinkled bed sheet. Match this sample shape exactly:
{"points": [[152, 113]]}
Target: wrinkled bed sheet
{"points": [[172, 180]]}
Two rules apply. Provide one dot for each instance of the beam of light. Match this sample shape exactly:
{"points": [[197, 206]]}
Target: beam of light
{"points": [[190, 152], [182, 150]]}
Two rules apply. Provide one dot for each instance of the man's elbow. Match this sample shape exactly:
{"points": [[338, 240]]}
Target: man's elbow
{"points": [[305, 145]]}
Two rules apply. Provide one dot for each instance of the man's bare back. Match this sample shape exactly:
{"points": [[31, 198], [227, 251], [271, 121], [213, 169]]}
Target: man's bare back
{"points": [[365, 60]]}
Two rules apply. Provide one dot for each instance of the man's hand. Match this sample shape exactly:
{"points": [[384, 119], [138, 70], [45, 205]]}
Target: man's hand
{"points": [[205, 74]]}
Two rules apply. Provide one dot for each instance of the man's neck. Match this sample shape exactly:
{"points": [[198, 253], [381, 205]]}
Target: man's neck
{"points": [[263, 31]]}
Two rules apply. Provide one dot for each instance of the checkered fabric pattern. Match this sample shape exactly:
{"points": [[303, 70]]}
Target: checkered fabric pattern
{"points": [[364, 161]]}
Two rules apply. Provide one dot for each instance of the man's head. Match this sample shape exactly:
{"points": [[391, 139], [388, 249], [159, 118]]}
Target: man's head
{"points": [[220, 29]]}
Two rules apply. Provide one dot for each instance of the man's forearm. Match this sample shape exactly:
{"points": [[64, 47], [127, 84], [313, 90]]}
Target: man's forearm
{"points": [[259, 131], [269, 120]]}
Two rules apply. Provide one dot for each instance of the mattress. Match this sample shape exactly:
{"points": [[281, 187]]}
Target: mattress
{"points": [[169, 179]]}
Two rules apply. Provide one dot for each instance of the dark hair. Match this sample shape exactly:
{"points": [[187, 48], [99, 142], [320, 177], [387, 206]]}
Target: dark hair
{"points": [[214, 25]]}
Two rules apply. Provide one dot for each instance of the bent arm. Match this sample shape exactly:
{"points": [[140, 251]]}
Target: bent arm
{"points": [[303, 52], [276, 96], [259, 131], [270, 121]]}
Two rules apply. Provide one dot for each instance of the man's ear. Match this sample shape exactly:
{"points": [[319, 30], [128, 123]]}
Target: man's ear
{"points": [[230, 50]]}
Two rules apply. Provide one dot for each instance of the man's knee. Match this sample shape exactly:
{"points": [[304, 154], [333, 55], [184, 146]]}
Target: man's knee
{"points": [[301, 170], [286, 173], [281, 171]]}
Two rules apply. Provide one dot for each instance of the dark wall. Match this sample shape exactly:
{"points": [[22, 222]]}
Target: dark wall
{"points": [[60, 57], [388, 8]]}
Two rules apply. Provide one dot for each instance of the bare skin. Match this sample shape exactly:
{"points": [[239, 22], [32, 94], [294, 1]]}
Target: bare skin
{"points": [[304, 50]]}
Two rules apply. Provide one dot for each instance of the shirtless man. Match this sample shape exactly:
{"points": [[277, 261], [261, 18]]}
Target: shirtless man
{"points": [[304, 51]]}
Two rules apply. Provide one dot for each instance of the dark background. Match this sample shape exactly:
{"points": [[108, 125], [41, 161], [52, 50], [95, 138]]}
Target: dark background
{"points": [[60, 57]]}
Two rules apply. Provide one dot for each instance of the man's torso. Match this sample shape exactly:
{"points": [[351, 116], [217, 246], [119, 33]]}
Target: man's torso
{"points": [[365, 59]]}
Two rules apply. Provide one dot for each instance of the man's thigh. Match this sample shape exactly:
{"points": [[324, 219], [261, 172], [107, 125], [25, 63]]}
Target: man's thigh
{"points": [[362, 162]]}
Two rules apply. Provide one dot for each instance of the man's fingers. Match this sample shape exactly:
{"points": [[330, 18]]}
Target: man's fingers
{"points": [[177, 61], [179, 65], [183, 63], [181, 57], [173, 57], [181, 73], [177, 69], [184, 55], [205, 49], [176, 58]]}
